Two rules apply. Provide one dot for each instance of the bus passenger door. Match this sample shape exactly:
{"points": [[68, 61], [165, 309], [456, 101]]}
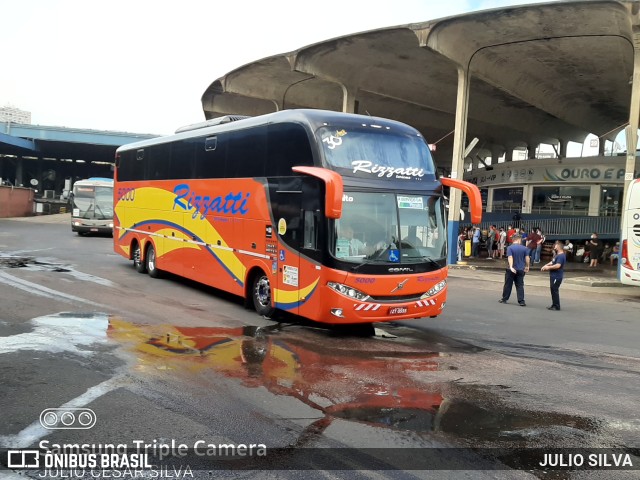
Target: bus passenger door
{"points": [[297, 216], [286, 209]]}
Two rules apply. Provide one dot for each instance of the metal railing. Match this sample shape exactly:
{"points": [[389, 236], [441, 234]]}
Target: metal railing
{"points": [[560, 228]]}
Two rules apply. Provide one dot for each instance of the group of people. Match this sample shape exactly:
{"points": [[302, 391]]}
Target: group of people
{"points": [[593, 251], [519, 259], [499, 239]]}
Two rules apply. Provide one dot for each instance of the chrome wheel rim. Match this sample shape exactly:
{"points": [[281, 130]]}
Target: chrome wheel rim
{"points": [[263, 292], [152, 259]]}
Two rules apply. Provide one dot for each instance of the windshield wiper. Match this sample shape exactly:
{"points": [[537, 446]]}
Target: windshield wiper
{"points": [[431, 261], [368, 261], [97, 207]]}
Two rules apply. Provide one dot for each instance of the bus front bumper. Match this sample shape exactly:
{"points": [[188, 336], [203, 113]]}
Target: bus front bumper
{"points": [[81, 227], [346, 310]]}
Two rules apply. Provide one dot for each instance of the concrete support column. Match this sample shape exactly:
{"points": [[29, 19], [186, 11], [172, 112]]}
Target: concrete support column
{"points": [[457, 161], [601, 144], [58, 170], [496, 153], [19, 180], [594, 200], [490, 196], [634, 117], [508, 154], [527, 198], [531, 151], [40, 171], [562, 148], [349, 102]]}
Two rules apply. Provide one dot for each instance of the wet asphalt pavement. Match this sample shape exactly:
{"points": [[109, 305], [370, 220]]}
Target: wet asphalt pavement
{"points": [[162, 360]]}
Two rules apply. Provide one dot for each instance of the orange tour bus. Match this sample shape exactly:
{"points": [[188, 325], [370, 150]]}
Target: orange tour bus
{"points": [[629, 260], [338, 218]]}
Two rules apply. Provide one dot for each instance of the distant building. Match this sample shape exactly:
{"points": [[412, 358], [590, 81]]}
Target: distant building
{"points": [[15, 115]]}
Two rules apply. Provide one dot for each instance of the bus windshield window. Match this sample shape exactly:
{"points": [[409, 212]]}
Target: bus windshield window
{"points": [[93, 202], [376, 153], [393, 228]]}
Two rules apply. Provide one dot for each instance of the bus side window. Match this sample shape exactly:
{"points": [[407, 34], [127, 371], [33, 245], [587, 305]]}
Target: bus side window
{"points": [[310, 236], [130, 168], [247, 153], [288, 147], [157, 159], [210, 156], [182, 158]]}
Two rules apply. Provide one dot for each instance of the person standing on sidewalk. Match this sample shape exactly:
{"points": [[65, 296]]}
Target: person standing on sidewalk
{"points": [[519, 260], [502, 242], [510, 233], [475, 243], [556, 272], [532, 243], [539, 246], [461, 239], [491, 242], [595, 249]]}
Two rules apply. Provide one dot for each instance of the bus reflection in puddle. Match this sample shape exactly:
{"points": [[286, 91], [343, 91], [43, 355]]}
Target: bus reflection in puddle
{"points": [[363, 380]]}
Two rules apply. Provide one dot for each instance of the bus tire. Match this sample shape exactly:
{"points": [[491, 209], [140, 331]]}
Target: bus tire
{"points": [[151, 262], [138, 264], [261, 295]]}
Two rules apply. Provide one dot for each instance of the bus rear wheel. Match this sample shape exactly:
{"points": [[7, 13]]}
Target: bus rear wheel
{"points": [[138, 264], [261, 294], [151, 262]]}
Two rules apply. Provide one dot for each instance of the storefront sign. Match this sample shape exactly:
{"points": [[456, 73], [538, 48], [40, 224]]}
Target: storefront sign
{"points": [[519, 172]]}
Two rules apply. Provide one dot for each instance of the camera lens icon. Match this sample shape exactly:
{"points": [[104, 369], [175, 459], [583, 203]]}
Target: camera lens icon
{"points": [[68, 418]]}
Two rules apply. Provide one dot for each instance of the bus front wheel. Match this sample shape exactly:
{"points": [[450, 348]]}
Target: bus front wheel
{"points": [[138, 264], [151, 262], [261, 293]]}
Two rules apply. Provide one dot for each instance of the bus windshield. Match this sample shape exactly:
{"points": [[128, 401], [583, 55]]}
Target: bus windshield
{"points": [[376, 153], [93, 202], [390, 228]]}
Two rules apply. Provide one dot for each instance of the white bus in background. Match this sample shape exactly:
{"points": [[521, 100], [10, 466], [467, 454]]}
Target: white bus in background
{"points": [[630, 248], [92, 206]]}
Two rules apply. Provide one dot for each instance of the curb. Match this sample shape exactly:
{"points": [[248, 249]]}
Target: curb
{"points": [[593, 282]]}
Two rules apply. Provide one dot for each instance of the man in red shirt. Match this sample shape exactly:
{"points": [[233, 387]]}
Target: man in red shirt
{"points": [[510, 233], [532, 243]]}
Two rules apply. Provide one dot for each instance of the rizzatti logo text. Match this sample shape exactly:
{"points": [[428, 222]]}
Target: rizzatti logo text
{"points": [[234, 203], [367, 166]]}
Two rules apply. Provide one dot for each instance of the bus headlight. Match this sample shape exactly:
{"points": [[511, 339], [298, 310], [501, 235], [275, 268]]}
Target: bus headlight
{"points": [[438, 287], [347, 291], [111, 225]]}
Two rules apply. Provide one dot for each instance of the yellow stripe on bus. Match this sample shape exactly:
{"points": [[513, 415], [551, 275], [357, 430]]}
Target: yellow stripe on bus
{"points": [[151, 205], [292, 296]]}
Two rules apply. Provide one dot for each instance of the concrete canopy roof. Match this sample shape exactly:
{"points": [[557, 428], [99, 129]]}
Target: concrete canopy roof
{"points": [[540, 73], [63, 142]]}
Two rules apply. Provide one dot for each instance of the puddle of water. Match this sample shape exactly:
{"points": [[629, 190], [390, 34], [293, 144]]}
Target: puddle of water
{"points": [[45, 265], [64, 332], [367, 380]]}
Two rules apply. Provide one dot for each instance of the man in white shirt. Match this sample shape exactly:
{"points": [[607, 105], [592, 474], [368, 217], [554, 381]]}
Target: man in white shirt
{"points": [[568, 249]]}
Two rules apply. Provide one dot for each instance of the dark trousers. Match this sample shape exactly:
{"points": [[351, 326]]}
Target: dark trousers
{"points": [[554, 284], [509, 279], [475, 249]]}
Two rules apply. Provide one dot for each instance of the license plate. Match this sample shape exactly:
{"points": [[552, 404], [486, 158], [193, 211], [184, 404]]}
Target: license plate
{"points": [[397, 310], [93, 230]]}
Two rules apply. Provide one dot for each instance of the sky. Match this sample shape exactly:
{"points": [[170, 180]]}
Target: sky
{"points": [[141, 66]]}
